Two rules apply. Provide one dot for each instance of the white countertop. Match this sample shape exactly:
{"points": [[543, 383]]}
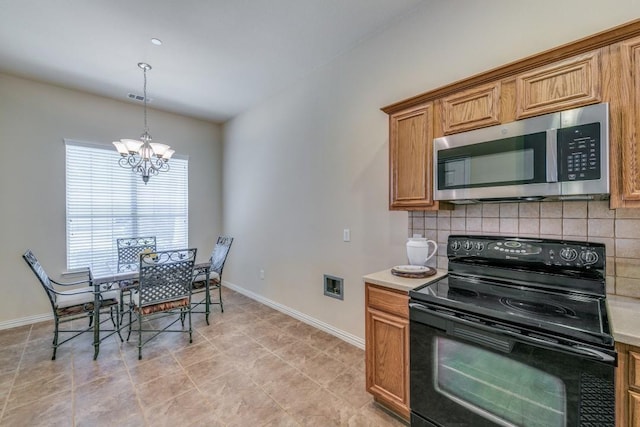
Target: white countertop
{"points": [[624, 312], [385, 278], [624, 316]]}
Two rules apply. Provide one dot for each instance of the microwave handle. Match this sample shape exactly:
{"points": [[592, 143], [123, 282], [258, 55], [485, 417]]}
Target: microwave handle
{"points": [[552, 155]]}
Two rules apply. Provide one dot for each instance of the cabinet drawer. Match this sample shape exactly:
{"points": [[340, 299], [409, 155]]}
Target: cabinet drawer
{"points": [[388, 300]]}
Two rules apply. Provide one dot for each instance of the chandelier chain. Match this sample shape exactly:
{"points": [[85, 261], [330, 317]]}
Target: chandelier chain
{"points": [[146, 127]]}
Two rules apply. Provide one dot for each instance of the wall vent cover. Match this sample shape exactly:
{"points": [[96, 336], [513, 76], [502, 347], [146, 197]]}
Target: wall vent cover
{"points": [[137, 97]]}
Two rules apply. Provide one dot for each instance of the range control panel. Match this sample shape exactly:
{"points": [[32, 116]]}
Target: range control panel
{"points": [[561, 253]]}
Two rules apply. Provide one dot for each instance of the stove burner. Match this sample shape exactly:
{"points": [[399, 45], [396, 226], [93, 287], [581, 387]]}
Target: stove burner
{"points": [[541, 308], [462, 292]]}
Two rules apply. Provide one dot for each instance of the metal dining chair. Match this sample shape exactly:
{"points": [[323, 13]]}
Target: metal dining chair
{"points": [[129, 250], [75, 303], [163, 290], [200, 284]]}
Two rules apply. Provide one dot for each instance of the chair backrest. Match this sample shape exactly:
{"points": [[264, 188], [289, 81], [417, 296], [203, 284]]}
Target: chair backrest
{"points": [[165, 276], [129, 250], [220, 252], [42, 276]]}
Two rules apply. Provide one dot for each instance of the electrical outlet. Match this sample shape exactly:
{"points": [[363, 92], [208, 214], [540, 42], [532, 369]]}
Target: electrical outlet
{"points": [[261, 274], [346, 235]]}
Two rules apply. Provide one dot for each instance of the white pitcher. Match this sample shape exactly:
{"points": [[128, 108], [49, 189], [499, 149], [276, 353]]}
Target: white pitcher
{"points": [[418, 250]]}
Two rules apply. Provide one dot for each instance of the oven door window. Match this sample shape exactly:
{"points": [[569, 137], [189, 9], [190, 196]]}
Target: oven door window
{"points": [[510, 161], [496, 387]]}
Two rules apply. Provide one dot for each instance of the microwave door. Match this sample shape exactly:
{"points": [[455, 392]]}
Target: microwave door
{"points": [[505, 168]]}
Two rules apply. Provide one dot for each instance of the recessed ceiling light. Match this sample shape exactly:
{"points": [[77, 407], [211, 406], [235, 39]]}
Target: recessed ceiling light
{"points": [[156, 41]]}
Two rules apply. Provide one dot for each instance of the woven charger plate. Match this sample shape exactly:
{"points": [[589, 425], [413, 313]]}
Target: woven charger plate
{"points": [[413, 271]]}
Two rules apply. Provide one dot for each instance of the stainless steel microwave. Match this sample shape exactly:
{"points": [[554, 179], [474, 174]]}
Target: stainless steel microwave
{"points": [[558, 156]]}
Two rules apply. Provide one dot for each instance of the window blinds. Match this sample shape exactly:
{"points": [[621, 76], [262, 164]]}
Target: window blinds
{"points": [[106, 202]]}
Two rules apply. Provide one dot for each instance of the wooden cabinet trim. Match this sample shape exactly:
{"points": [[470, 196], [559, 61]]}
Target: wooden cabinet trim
{"points": [[579, 47], [471, 109]]}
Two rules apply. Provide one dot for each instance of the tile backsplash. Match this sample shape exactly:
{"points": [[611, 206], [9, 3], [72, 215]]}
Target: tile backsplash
{"points": [[618, 229]]}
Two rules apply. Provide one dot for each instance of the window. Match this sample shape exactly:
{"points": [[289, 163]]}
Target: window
{"points": [[106, 202]]}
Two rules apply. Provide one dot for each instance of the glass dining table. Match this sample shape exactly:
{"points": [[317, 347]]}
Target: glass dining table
{"points": [[125, 282]]}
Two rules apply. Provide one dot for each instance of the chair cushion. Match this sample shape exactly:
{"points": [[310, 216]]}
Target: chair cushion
{"points": [[163, 306], [179, 301], [81, 296], [83, 308], [212, 275]]}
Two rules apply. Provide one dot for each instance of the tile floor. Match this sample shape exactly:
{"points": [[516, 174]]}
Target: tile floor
{"points": [[253, 366]]}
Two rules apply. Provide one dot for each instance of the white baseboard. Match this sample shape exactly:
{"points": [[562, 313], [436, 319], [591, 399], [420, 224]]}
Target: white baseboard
{"points": [[345, 336], [29, 320]]}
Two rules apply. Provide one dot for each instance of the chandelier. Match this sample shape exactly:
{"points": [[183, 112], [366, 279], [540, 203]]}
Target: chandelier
{"points": [[143, 156]]}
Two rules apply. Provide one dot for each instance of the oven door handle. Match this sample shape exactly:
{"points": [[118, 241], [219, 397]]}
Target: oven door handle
{"points": [[583, 351]]}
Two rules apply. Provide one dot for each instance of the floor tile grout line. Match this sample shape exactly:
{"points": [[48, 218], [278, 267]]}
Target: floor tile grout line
{"points": [[15, 375], [258, 386], [73, 389], [265, 391], [133, 385], [300, 371]]}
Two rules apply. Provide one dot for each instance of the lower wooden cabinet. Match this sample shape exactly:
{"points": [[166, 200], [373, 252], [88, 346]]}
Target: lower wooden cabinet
{"points": [[628, 386], [387, 347]]}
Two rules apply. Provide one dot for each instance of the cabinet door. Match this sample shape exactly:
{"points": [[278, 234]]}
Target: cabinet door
{"points": [[471, 109], [410, 158], [387, 360], [634, 409], [630, 91], [565, 84]]}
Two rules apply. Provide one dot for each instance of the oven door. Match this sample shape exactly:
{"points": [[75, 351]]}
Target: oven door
{"points": [[463, 374]]}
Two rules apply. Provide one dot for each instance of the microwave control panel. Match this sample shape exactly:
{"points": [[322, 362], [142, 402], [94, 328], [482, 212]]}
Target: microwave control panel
{"points": [[579, 156]]}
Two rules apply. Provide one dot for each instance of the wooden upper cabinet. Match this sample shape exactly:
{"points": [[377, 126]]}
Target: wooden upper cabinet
{"points": [[471, 109], [604, 67], [559, 86], [410, 158], [629, 109]]}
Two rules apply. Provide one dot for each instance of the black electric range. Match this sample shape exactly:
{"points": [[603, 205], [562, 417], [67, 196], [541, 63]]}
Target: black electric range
{"points": [[535, 303]]}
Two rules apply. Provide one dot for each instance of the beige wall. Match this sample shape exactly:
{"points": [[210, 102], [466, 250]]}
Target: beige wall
{"points": [[34, 119], [313, 160], [618, 229]]}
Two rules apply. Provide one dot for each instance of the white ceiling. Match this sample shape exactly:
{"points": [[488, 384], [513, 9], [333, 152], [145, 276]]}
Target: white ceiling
{"points": [[218, 58]]}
